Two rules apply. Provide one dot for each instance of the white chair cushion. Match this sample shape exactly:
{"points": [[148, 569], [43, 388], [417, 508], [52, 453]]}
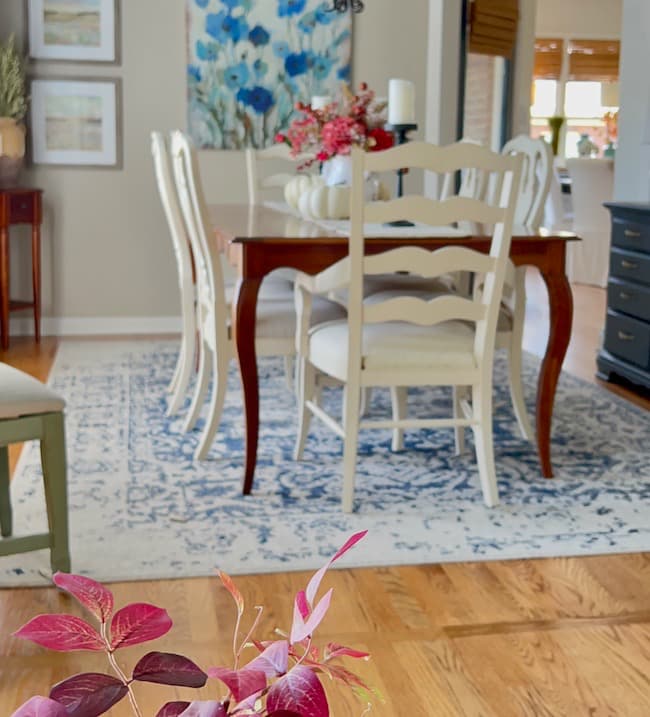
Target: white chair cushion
{"points": [[23, 395], [272, 288], [504, 324], [395, 345], [276, 318]]}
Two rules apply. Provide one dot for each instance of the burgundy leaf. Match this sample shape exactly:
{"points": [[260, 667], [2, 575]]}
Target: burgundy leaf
{"points": [[88, 695], [165, 668], [205, 709], [172, 709], [230, 586], [63, 633], [302, 605], [91, 594], [283, 713], [273, 661], [333, 650], [242, 683], [298, 691], [137, 623], [314, 583], [41, 707], [300, 632]]}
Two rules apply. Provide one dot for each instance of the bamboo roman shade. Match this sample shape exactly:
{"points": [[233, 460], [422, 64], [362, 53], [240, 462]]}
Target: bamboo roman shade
{"points": [[548, 58], [595, 60], [493, 27]]}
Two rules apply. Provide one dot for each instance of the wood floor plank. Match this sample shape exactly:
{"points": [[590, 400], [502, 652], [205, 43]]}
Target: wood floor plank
{"points": [[520, 638]]}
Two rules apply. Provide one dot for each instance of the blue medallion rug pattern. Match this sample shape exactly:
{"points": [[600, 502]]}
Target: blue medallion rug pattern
{"points": [[140, 507]]}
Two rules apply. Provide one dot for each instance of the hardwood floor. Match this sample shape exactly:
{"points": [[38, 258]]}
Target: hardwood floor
{"points": [[538, 638]]}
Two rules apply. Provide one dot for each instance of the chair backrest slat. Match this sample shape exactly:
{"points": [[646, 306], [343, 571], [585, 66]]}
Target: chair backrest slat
{"points": [[496, 211], [274, 154]]}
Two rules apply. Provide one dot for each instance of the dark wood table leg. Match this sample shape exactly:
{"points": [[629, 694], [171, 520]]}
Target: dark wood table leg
{"points": [[560, 301], [36, 279], [4, 287], [243, 320]]}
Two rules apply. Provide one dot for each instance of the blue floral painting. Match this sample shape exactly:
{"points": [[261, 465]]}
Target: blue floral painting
{"points": [[250, 61]]}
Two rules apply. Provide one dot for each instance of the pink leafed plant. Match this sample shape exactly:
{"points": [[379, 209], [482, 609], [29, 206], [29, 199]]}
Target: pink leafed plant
{"points": [[280, 680], [351, 121]]}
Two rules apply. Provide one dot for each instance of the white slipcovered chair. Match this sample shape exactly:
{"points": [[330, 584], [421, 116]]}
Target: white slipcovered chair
{"points": [[592, 183], [276, 318], [404, 340]]}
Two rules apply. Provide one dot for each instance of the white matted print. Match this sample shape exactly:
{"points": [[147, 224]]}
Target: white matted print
{"points": [[75, 122], [81, 30]]}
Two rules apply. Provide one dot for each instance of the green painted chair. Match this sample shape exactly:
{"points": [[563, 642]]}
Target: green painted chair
{"points": [[29, 410]]}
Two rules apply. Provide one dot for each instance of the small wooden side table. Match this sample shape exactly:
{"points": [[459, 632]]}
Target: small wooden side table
{"points": [[20, 205]]}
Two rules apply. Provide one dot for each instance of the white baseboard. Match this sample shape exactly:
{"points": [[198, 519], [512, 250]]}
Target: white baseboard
{"points": [[97, 326]]}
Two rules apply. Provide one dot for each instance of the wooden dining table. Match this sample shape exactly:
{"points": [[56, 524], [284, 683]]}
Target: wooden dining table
{"points": [[257, 240]]}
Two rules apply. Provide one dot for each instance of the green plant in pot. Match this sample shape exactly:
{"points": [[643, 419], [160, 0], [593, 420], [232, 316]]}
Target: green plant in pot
{"points": [[13, 108]]}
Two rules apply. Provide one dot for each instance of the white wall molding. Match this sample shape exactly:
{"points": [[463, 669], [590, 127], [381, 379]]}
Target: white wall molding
{"points": [[97, 326]]}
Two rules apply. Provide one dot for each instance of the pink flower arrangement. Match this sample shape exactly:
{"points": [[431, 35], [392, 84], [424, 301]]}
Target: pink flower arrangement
{"points": [[353, 121], [280, 678]]}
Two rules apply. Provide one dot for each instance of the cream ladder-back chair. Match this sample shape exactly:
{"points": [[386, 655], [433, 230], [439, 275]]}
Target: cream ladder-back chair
{"points": [[276, 317], [407, 341], [261, 184], [29, 411], [183, 255]]}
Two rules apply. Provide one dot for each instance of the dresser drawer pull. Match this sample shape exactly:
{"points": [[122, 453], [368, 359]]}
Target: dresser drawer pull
{"points": [[625, 296], [629, 264], [624, 336], [632, 234]]}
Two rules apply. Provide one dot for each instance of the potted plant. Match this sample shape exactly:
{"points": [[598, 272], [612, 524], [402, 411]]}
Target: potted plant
{"points": [[13, 108]]}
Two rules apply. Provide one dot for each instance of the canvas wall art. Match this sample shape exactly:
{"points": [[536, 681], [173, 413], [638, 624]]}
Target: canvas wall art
{"points": [[81, 30], [250, 61], [75, 122]]}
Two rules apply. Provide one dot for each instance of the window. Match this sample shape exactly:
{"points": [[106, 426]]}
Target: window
{"points": [[576, 79]]}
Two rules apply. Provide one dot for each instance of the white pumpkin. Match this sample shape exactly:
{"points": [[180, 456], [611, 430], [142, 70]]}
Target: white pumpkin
{"points": [[298, 185], [326, 203]]}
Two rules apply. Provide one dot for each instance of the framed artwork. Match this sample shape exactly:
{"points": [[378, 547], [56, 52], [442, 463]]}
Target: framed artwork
{"points": [[76, 122], [251, 61], [73, 30]]}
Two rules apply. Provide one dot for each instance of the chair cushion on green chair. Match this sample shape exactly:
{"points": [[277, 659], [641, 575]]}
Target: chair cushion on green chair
{"points": [[23, 395]]}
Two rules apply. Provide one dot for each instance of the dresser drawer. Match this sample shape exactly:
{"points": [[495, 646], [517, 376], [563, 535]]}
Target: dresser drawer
{"points": [[629, 234], [630, 265], [628, 338], [629, 298], [21, 208]]}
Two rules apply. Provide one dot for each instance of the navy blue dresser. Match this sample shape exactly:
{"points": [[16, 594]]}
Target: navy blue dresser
{"points": [[626, 346]]}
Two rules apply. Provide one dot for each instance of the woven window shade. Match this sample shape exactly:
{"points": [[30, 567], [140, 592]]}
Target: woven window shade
{"points": [[493, 27], [595, 60], [548, 58]]}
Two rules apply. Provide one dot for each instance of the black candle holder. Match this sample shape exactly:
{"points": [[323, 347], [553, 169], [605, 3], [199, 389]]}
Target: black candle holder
{"points": [[400, 132]]}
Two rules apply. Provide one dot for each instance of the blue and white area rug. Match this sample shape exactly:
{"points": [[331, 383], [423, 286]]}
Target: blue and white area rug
{"points": [[141, 508]]}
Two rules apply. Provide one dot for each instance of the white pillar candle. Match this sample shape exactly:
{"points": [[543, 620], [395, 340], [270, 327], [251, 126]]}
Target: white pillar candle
{"points": [[319, 102], [401, 102]]}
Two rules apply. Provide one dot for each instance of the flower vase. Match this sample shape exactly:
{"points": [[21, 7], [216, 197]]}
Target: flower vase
{"points": [[337, 170], [12, 151]]}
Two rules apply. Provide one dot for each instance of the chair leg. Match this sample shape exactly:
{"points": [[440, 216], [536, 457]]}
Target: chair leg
{"points": [[482, 406], [55, 484], [219, 387], [459, 431], [399, 397], [200, 389], [351, 398], [307, 390], [288, 373], [6, 518], [366, 399], [184, 368], [517, 391]]}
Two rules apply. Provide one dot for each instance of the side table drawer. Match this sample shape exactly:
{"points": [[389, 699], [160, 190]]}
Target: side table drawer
{"points": [[630, 265], [629, 234], [628, 298], [21, 208], [628, 338]]}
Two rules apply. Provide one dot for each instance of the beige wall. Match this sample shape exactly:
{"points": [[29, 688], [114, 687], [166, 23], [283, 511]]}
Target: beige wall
{"points": [[579, 18], [106, 251]]}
